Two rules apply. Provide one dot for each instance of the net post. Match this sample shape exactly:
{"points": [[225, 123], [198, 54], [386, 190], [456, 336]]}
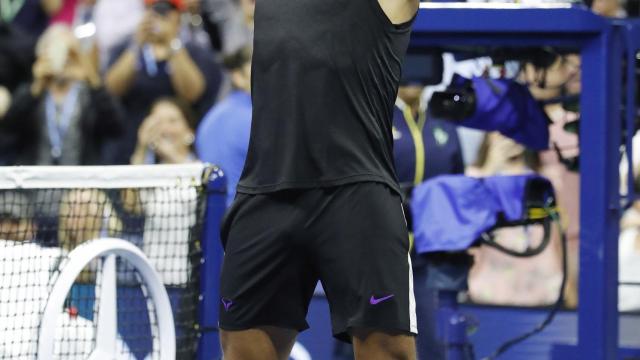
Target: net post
{"points": [[212, 253]]}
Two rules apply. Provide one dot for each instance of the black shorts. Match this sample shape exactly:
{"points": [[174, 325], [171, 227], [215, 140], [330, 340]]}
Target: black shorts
{"points": [[352, 238]]}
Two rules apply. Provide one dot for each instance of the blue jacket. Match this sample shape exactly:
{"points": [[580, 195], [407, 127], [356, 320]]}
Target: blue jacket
{"points": [[223, 137]]}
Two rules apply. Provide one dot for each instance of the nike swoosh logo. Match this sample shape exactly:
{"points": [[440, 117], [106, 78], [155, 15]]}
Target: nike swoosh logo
{"points": [[374, 301]]}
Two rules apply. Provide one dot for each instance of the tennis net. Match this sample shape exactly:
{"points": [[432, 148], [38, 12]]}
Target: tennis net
{"points": [[47, 212]]}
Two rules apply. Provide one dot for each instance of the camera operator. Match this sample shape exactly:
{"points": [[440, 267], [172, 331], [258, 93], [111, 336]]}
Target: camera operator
{"points": [[562, 77], [500, 279]]}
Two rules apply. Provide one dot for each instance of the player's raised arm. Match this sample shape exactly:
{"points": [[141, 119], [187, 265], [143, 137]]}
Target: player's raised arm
{"points": [[399, 11]]}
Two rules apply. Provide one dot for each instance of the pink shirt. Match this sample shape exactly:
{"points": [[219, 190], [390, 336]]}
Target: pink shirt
{"points": [[499, 279], [67, 13]]}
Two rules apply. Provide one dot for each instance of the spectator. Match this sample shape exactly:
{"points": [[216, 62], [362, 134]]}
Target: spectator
{"points": [[223, 136], [170, 214], [193, 28], [227, 25], [115, 22], [563, 76], [64, 115], [78, 14], [70, 10], [166, 135], [16, 222], [16, 56], [26, 270], [66, 12], [497, 278], [30, 16], [156, 65], [85, 214], [30, 266]]}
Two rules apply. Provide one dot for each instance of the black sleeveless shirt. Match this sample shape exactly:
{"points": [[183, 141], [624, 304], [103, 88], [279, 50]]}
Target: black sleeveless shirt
{"points": [[324, 81]]}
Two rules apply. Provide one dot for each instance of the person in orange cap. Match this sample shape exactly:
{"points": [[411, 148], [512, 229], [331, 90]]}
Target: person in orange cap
{"points": [[158, 64]]}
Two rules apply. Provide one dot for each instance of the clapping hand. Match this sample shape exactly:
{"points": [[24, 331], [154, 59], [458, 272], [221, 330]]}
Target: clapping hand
{"points": [[502, 150], [43, 74], [154, 135]]}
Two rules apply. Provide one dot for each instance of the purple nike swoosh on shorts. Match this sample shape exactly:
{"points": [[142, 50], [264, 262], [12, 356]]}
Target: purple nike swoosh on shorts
{"points": [[227, 304], [374, 301]]}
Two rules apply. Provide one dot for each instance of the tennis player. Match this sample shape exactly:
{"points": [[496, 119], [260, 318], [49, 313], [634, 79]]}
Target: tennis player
{"points": [[318, 198]]}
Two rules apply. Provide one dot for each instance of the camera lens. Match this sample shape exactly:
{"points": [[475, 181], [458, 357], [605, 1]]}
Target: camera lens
{"points": [[453, 105]]}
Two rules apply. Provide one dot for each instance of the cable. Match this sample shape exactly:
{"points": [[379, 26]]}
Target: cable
{"points": [[488, 240], [554, 309]]}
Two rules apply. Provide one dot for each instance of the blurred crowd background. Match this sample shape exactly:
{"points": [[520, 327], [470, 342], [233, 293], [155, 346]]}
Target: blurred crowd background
{"points": [[86, 82]]}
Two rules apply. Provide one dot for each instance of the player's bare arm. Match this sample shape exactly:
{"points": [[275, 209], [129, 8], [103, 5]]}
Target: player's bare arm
{"points": [[399, 11]]}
